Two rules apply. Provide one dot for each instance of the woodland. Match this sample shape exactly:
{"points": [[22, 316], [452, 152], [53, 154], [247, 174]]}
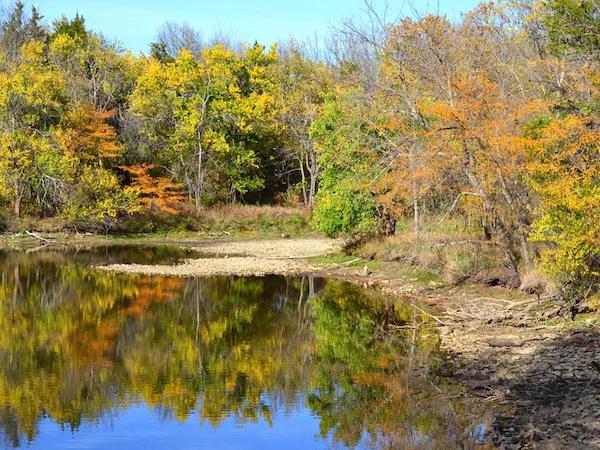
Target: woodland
{"points": [[488, 126]]}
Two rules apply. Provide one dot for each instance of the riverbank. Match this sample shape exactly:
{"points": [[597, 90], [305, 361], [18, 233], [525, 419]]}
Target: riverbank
{"points": [[506, 346]]}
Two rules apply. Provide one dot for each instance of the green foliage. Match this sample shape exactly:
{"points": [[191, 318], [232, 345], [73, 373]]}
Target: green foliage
{"points": [[344, 329], [343, 204], [98, 199], [74, 28], [573, 25], [344, 212]]}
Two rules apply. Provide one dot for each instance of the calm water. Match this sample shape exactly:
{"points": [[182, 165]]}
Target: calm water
{"points": [[94, 360]]}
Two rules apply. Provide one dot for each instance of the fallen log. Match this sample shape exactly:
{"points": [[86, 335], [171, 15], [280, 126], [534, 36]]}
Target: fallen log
{"points": [[38, 236]]}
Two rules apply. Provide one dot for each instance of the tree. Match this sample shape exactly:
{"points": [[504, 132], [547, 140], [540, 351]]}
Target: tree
{"points": [[573, 25], [154, 193], [172, 38], [304, 85], [210, 122], [172, 102], [18, 28], [344, 203], [89, 135], [31, 101], [565, 168], [96, 72], [98, 199]]}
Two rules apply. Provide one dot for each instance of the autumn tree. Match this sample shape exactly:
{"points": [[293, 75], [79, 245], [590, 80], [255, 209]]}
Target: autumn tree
{"points": [[209, 120], [32, 164], [154, 193], [89, 135], [304, 84], [565, 157], [96, 72], [565, 169]]}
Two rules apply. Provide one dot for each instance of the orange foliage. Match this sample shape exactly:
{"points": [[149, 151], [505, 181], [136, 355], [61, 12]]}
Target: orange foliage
{"points": [[155, 193], [94, 346], [153, 290], [90, 136]]}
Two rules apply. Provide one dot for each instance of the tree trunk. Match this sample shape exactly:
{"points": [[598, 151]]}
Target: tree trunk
{"points": [[199, 177], [416, 212], [303, 175], [415, 192], [314, 174], [17, 205], [499, 223]]}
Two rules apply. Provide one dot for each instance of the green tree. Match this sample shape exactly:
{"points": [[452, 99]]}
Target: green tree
{"points": [[344, 203], [573, 25]]}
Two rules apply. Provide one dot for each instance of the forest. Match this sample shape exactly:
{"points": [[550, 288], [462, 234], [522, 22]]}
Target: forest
{"points": [[489, 125]]}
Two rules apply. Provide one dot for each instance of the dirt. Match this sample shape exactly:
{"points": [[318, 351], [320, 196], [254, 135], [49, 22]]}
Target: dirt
{"points": [[545, 378]]}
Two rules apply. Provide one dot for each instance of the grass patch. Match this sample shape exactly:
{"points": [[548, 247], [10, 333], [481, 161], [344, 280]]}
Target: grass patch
{"points": [[338, 259], [256, 220]]}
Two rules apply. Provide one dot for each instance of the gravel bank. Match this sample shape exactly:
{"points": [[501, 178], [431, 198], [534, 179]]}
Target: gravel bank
{"points": [[256, 257]]}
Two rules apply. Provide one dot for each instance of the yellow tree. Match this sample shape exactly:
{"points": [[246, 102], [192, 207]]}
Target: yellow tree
{"points": [[304, 84], [565, 171], [208, 120], [31, 102]]}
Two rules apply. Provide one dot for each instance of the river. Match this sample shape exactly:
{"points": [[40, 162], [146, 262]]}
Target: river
{"points": [[97, 360]]}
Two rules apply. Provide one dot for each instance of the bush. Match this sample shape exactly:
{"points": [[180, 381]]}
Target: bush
{"points": [[345, 212], [98, 200]]}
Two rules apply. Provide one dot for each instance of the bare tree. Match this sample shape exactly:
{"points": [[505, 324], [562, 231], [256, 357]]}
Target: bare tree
{"points": [[17, 27], [175, 37]]}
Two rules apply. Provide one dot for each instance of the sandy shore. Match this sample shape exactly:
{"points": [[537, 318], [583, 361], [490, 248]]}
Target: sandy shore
{"points": [[256, 257]]}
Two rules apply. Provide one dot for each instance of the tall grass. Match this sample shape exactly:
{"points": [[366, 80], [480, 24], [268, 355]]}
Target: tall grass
{"points": [[256, 219], [452, 248]]}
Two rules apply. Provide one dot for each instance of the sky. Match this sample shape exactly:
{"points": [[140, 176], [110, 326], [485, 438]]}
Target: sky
{"points": [[135, 22]]}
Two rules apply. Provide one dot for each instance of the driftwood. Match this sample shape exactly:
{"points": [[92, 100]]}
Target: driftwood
{"points": [[463, 242], [343, 264], [427, 314], [46, 241]]}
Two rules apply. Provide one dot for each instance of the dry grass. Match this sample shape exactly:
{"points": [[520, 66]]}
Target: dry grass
{"points": [[451, 249], [250, 219], [233, 219], [252, 212], [536, 282]]}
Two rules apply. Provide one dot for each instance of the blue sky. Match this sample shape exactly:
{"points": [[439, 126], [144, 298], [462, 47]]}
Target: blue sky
{"points": [[134, 22]]}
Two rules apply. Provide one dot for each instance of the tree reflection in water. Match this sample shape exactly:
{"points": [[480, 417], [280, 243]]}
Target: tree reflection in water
{"points": [[79, 345]]}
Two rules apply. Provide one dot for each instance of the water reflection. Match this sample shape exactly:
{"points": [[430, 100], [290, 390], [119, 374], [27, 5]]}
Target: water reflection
{"points": [[334, 362]]}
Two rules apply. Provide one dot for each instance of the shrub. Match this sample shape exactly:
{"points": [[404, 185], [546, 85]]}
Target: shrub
{"points": [[345, 212]]}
